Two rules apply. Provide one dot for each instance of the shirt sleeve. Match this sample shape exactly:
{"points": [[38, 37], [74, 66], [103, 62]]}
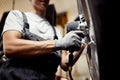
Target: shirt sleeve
{"points": [[14, 21]]}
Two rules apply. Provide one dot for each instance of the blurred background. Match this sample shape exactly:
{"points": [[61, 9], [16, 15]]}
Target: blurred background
{"points": [[61, 6]]}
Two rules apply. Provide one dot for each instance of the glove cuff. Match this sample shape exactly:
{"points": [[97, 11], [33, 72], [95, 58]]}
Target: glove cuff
{"points": [[58, 44]]}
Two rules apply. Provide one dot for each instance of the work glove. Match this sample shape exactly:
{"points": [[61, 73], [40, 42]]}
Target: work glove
{"points": [[71, 41]]}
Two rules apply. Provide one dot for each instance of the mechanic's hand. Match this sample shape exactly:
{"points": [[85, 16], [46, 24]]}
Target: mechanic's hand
{"points": [[71, 40]]}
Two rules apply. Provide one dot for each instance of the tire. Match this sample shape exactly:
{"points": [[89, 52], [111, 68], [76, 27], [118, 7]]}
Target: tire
{"points": [[92, 60]]}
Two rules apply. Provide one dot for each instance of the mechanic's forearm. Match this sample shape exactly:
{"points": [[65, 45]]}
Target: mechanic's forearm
{"points": [[27, 48], [65, 58], [77, 54]]}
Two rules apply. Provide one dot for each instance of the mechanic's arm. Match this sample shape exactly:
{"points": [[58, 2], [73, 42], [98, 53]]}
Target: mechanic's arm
{"points": [[16, 47], [65, 57]]}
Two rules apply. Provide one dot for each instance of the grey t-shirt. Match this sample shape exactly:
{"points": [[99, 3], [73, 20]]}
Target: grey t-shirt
{"points": [[38, 25]]}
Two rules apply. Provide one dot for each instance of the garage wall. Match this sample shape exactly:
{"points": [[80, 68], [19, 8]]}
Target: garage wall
{"points": [[24, 5]]}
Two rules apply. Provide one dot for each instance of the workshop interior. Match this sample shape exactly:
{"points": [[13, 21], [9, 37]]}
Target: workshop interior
{"points": [[90, 65]]}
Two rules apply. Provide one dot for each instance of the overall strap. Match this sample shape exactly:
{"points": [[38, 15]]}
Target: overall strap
{"points": [[24, 17], [55, 34], [26, 25]]}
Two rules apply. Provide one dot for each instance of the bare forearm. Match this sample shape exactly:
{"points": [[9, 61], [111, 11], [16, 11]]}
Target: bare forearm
{"points": [[28, 48], [77, 54], [65, 58]]}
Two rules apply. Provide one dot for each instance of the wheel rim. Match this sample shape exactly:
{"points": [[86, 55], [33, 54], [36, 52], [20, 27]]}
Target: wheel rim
{"points": [[92, 60]]}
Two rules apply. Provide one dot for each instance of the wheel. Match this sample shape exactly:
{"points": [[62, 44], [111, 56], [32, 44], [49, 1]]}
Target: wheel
{"points": [[92, 60]]}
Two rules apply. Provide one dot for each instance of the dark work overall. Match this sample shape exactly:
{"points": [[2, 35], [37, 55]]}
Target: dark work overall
{"points": [[38, 68]]}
